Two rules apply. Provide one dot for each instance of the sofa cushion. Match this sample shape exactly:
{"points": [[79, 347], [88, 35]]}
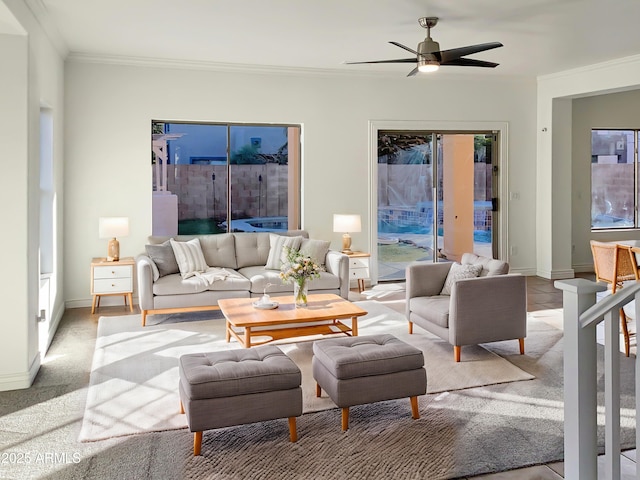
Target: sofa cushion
{"points": [[176, 285], [219, 250], [163, 257], [189, 257], [277, 251], [490, 266], [459, 272], [433, 309], [252, 248], [316, 249], [260, 277]]}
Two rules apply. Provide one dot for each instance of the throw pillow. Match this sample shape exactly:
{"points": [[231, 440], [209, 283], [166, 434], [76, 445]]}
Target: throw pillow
{"points": [[164, 258], [458, 272], [189, 257], [316, 249], [277, 254]]}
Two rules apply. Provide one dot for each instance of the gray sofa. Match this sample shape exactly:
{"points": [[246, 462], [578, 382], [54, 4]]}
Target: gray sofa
{"points": [[488, 308], [244, 256]]}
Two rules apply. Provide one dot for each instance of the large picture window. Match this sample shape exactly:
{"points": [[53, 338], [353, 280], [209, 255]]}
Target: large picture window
{"points": [[213, 178], [614, 179]]}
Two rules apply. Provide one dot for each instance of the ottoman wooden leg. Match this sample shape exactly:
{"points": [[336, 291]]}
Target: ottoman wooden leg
{"points": [[197, 443], [345, 419], [318, 390], [415, 413], [293, 433]]}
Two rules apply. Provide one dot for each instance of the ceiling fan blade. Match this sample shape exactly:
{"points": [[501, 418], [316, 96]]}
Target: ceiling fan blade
{"points": [[469, 62], [446, 55], [405, 47], [399, 60], [413, 72]]}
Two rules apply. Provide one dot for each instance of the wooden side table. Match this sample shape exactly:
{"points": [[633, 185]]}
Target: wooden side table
{"points": [[111, 278], [359, 267]]}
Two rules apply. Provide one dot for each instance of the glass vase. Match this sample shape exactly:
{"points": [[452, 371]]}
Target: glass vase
{"points": [[300, 288]]}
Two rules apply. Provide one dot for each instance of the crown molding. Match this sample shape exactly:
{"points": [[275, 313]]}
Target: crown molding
{"points": [[633, 59], [41, 14], [152, 62]]}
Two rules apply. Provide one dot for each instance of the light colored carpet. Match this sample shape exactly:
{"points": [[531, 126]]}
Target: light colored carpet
{"points": [[134, 375]]}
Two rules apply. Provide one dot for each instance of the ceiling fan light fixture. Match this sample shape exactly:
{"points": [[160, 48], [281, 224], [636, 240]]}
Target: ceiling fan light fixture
{"points": [[428, 65]]}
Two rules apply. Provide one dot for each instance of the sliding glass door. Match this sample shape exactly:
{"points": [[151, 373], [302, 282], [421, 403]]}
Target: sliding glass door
{"points": [[436, 198]]}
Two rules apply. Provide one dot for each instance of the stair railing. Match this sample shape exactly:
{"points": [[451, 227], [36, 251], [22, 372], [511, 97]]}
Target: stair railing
{"points": [[581, 315]]}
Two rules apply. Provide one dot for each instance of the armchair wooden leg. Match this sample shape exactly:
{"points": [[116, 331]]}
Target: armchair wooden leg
{"points": [[410, 328], [181, 407], [318, 390], [197, 443], [521, 341], [456, 352], [345, 419], [293, 433], [415, 413], [144, 317], [625, 332]]}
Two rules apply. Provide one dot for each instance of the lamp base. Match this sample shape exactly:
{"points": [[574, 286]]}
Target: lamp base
{"points": [[346, 243], [113, 250]]}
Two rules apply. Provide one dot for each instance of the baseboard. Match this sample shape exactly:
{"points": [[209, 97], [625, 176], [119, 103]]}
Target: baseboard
{"points": [[584, 268], [22, 380], [105, 301], [529, 272], [556, 274]]}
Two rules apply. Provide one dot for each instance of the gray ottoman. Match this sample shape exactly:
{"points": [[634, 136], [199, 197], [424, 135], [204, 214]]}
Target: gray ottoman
{"points": [[359, 370], [221, 389]]}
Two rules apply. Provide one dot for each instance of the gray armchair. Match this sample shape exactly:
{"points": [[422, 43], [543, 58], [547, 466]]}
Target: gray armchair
{"points": [[488, 308]]}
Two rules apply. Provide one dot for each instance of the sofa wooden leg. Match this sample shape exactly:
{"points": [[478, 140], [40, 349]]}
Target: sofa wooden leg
{"points": [[345, 419], [415, 413], [293, 432], [197, 443], [456, 352], [521, 340], [410, 328], [318, 390]]}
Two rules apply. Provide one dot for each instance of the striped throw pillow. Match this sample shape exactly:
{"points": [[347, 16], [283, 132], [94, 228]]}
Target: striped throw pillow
{"points": [[189, 257]]}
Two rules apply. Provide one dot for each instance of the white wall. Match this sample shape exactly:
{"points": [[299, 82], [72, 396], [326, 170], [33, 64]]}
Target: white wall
{"points": [[32, 74], [612, 111], [555, 156], [109, 109]]}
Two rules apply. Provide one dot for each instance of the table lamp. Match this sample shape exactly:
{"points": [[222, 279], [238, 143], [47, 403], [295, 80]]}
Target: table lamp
{"points": [[346, 224], [112, 227]]}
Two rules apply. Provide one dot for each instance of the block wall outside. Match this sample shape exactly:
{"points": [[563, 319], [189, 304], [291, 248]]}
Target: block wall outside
{"points": [[257, 190]]}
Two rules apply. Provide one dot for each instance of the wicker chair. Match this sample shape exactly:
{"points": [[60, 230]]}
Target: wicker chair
{"points": [[615, 264]]}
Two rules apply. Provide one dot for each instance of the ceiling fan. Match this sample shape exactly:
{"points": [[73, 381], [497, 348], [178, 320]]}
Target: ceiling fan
{"points": [[429, 57]]}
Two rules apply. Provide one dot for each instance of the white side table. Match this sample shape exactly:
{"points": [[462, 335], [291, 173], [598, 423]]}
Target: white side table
{"points": [[359, 267], [111, 278]]}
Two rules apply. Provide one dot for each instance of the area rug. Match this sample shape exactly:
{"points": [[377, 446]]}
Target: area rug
{"points": [[134, 375], [460, 434]]}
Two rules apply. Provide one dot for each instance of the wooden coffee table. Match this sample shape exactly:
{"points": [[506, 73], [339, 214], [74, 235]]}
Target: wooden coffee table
{"points": [[288, 321]]}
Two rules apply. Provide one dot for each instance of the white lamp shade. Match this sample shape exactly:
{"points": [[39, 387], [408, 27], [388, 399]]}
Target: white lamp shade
{"points": [[112, 227], [346, 223]]}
